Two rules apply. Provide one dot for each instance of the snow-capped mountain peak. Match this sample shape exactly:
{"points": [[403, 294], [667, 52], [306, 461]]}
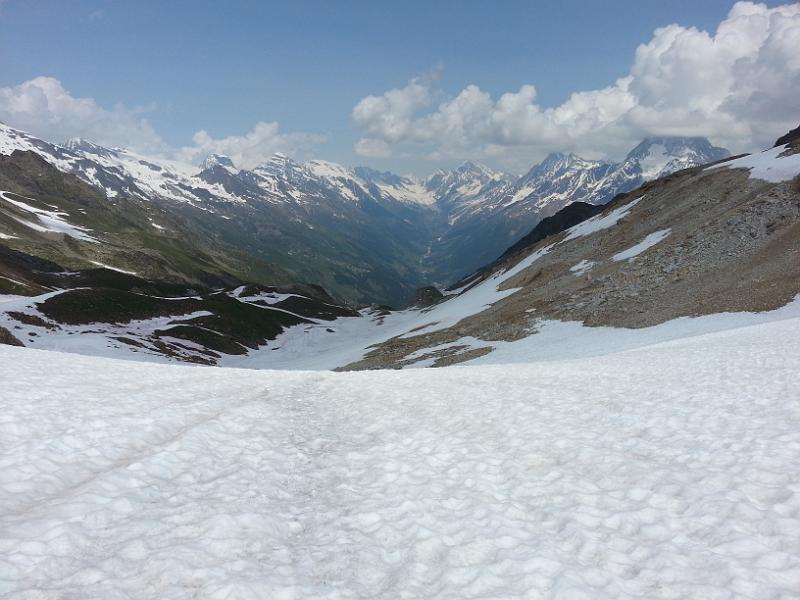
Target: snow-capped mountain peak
{"points": [[278, 164], [659, 156], [478, 170], [328, 170], [218, 160], [83, 145]]}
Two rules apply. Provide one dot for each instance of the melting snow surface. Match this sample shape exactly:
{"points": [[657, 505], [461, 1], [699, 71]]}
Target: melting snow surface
{"points": [[668, 471], [767, 165], [48, 220], [600, 222], [110, 268], [648, 242], [582, 267]]}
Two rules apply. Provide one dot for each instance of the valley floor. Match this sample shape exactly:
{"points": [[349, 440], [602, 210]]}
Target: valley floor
{"points": [[665, 471]]}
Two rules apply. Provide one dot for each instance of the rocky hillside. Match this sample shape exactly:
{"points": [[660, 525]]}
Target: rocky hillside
{"points": [[100, 311], [724, 238], [56, 216]]}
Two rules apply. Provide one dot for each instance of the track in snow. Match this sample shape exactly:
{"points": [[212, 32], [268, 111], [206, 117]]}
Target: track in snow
{"points": [[664, 471]]}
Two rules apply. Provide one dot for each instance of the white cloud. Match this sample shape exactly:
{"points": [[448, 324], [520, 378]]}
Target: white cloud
{"points": [[247, 151], [373, 148], [738, 86], [390, 115], [44, 108]]}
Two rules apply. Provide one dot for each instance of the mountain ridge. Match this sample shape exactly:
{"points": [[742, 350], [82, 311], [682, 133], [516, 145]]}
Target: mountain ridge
{"points": [[366, 235]]}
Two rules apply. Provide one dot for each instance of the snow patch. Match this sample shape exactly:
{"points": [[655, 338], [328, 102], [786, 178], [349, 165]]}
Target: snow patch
{"points": [[110, 268], [582, 267], [49, 221], [648, 242], [600, 222], [768, 165]]}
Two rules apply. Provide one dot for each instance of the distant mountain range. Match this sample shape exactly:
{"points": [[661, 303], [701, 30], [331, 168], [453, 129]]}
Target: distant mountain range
{"points": [[365, 235]]}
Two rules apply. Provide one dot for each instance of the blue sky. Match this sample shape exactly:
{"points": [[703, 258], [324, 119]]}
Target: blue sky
{"points": [[222, 67]]}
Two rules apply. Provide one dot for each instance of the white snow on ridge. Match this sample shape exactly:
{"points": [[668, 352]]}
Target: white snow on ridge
{"points": [[648, 242], [110, 268], [662, 472], [600, 222], [409, 191], [47, 221], [768, 165], [654, 162]]}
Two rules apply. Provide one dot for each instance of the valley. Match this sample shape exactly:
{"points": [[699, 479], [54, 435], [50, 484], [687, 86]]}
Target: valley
{"points": [[363, 235], [399, 301]]}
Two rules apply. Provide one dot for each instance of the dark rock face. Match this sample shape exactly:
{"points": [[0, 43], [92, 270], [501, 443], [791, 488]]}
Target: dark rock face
{"points": [[426, 296], [567, 217], [789, 137], [8, 339]]}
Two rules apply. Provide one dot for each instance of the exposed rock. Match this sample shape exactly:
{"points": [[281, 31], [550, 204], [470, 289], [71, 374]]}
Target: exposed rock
{"points": [[567, 217], [789, 137], [8, 339], [426, 296]]}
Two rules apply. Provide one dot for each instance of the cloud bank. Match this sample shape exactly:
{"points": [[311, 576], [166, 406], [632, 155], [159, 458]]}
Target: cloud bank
{"points": [[739, 87], [44, 108], [247, 151]]}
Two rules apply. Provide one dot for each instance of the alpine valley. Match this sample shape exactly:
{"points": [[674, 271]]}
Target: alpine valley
{"points": [[363, 235], [621, 420], [228, 373]]}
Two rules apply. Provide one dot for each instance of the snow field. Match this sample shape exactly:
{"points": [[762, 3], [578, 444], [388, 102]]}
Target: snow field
{"points": [[47, 220], [768, 165], [668, 471], [600, 222]]}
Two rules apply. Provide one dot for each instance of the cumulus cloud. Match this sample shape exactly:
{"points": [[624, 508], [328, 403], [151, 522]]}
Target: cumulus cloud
{"points": [[373, 148], [247, 151], [44, 108], [738, 86]]}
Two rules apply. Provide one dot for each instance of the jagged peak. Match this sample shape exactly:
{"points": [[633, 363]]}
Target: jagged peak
{"points": [[277, 163], [214, 160], [327, 169], [678, 145], [477, 168], [81, 143]]}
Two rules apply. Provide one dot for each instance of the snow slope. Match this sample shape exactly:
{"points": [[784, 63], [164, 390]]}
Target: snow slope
{"points": [[46, 220], [773, 165], [669, 471]]}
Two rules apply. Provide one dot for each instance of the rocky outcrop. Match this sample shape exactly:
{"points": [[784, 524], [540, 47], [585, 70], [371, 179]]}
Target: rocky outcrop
{"points": [[789, 137], [567, 217], [426, 296], [8, 339]]}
